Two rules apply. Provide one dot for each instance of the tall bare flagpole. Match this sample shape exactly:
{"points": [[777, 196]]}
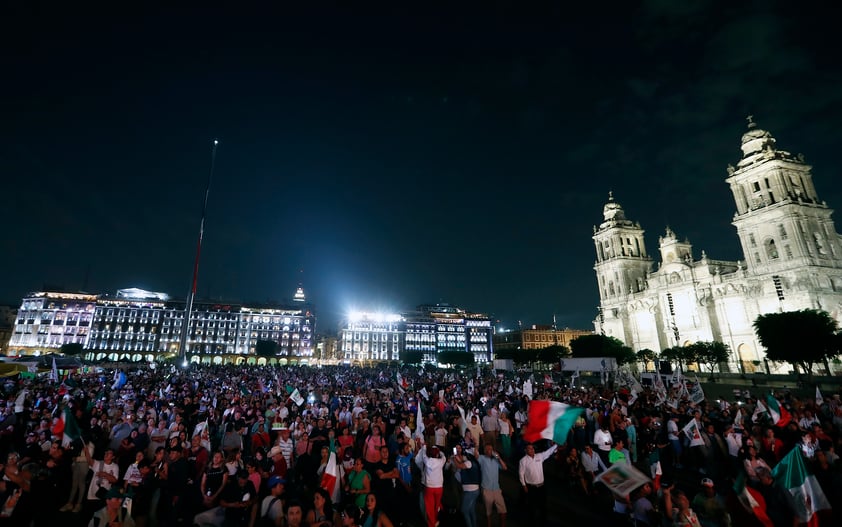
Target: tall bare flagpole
{"points": [[185, 326]]}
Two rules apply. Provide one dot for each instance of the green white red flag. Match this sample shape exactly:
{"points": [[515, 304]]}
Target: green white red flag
{"points": [[752, 500], [550, 420], [780, 416], [805, 494]]}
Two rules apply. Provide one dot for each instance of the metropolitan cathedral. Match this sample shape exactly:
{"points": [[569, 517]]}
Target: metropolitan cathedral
{"points": [[792, 260]]}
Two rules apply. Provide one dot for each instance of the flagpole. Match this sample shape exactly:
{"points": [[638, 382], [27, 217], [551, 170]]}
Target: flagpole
{"points": [[188, 311]]}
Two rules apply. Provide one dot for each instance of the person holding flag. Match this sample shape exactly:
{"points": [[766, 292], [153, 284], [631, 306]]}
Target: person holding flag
{"points": [[531, 476]]}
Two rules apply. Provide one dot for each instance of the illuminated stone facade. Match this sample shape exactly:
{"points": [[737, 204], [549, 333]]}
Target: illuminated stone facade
{"points": [[430, 329], [793, 260], [536, 337], [140, 325]]}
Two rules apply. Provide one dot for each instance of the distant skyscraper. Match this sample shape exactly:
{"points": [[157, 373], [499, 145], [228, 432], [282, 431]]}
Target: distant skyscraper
{"points": [[793, 260]]}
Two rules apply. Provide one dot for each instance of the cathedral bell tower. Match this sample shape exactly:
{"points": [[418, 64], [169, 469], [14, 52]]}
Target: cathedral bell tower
{"points": [[781, 222], [621, 261]]}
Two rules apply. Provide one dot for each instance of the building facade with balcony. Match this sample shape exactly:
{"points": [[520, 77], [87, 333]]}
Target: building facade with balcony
{"points": [[430, 330], [142, 325], [536, 337]]}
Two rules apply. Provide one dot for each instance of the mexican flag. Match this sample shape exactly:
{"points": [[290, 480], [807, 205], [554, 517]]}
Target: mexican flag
{"points": [[402, 384], [550, 420], [752, 500], [780, 415], [67, 427], [805, 494], [331, 474]]}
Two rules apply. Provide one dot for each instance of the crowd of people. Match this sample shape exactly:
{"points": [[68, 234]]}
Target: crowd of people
{"points": [[340, 446]]}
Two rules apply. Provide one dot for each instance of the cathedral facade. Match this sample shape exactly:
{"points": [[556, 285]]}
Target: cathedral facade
{"points": [[792, 260]]}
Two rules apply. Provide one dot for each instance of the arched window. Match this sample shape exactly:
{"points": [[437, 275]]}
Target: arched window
{"points": [[771, 249]]}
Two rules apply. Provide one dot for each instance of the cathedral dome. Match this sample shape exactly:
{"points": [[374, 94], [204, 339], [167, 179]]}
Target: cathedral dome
{"points": [[755, 140], [613, 210]]}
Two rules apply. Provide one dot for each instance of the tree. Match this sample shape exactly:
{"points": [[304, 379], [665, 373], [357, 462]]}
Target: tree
{"points": [[456, 358], [588, 346], [71, 349], [507, 354], [680, 355], [710, 353], [551, 354], [801, 338], [646, 356], [411, 357], [527, 356], [266, 348]]}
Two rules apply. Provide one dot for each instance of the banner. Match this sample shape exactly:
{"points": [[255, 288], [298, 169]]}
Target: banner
{"points": [[621, 479], [691, 430], [695, 392]]}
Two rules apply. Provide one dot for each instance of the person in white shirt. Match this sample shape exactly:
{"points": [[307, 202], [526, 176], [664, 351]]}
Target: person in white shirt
{"points": [[592, 465], [531, 475], [520, 418], [431, 461], [106, 473], [603, 441]]}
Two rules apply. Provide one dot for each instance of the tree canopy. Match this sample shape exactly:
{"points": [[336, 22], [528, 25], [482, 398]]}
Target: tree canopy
{"points": [[411, 357], [680, 355], [588, 346], [801, 338], [710, 353], [71, 349], [456, 358], [266, 348]]}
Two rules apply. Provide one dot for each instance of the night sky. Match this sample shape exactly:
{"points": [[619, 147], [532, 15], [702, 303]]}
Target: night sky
{"points": [[392, 156]]}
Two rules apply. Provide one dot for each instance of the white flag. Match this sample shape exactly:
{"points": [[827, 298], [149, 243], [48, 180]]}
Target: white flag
{"points": [[819, 398], [424, 393], [759, 410], [419, 423], [296, 397]]}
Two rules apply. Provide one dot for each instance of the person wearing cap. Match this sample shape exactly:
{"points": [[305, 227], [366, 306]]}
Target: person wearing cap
{"points": [[286, 443], [710, 507], [279, 464], [272, 506], [113, 513]]}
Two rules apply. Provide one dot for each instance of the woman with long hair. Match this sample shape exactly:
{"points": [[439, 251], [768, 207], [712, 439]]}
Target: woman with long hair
{"points": [[371, 451], [359, 483], [373, 516], [322, 513]]}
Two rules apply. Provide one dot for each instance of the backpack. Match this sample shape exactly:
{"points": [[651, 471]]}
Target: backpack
{"points": [[264, 520]]}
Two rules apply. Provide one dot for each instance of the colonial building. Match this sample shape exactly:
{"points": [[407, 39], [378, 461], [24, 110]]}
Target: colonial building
{"points": [[792, 260], [141, 325], [536, 337]]}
